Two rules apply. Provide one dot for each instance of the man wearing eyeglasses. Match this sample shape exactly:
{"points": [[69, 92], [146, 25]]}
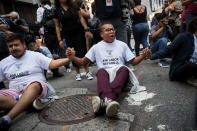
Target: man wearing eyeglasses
{"points": [[110, 56]]}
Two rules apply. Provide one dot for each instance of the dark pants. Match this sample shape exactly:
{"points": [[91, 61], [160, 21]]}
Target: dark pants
{"points": [[185, 71], [111, 90], [53, 45]]}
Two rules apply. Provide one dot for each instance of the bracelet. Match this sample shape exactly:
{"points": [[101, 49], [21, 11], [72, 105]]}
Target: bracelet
{"points": [[59, 41], [87, 30]]}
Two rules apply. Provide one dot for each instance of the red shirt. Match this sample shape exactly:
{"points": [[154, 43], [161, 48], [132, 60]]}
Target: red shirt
{"points": [[192, 8]]}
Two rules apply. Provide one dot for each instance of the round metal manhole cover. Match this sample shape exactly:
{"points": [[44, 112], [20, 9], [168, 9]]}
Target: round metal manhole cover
{"points": [[68, 110]]}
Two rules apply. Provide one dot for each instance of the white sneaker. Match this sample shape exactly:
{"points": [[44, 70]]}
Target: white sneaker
{"points": [[38, 105], [78, 77], [96, 103], [89, 76], [112, 107], [68, 69]]}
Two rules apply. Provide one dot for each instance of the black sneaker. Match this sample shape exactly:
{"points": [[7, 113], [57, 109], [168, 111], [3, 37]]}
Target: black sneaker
{"points": [[4, 125]]}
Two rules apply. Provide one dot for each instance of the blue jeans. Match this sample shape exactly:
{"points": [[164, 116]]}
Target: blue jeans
{"points": [[140, 33], [189, 17], [158, 46]]}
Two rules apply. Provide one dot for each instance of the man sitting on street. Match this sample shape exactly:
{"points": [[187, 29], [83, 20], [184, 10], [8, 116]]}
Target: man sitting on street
{"points": [[160, 33], [183, 51], [27, 84], [109, 54]]}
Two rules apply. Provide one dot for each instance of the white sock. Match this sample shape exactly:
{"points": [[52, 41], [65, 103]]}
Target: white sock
{"points": [[7, 118]]}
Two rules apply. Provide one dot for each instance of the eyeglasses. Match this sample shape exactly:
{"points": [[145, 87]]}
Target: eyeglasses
{"points": [[109, 29]]}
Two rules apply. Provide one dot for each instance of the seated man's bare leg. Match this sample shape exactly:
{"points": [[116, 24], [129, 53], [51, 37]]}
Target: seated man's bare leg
{"points": [[30, 94], [7, 103]]}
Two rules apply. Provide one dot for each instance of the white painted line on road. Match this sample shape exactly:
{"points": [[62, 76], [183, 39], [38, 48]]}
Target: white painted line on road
{"points": [[150, 107], [162, 127], [136, 99]]}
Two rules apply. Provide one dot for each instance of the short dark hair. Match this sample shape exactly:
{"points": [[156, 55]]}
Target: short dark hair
{"points": [[192, 27], [102, 24], [13, 36], [44, 2], [160, 16], [137, 2]]}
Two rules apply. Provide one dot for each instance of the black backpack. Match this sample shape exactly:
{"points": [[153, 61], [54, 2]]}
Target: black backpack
{"points": [[47, 20]]}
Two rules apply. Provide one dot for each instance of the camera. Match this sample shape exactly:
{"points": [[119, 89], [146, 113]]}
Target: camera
{"points": [[19, 22]]}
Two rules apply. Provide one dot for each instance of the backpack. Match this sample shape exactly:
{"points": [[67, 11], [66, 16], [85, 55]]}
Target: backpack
{"points": [[47, 20]]}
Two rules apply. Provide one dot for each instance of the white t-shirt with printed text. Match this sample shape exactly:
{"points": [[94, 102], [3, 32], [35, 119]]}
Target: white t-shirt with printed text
{"points": [[21, 71], [108, 55]]}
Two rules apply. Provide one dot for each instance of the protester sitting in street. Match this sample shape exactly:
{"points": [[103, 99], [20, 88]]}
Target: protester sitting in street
{"points": [[183, 51], [160, 33], [27, 84], [110, 56]]}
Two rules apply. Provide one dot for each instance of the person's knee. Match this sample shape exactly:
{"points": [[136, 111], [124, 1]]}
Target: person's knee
{"points": [[163, 41], [36, 86], [101, 71], [125, 69]]}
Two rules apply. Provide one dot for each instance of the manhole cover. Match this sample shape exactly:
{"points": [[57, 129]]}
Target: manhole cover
{"points": [[68, 110]]}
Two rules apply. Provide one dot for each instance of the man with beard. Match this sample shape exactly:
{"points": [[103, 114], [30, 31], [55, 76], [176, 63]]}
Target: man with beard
{"points": [[27, 84], [110, 56]]}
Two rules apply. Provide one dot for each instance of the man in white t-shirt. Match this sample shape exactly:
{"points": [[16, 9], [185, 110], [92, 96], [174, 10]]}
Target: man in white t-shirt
{"points": [[27, 84], [109, 55]]}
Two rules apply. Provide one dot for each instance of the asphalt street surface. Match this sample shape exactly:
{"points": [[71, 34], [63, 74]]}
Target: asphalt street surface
{"points": [[164, 106]]}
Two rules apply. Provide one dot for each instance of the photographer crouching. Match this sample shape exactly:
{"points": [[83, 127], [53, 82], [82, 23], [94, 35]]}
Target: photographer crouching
{"points": [[16, 25], [160, 34]]}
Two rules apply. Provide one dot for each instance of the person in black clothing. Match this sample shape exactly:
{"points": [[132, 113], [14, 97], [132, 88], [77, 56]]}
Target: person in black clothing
{"points": [[140, 25], [49, 32], [74, 30], [183, 51]]}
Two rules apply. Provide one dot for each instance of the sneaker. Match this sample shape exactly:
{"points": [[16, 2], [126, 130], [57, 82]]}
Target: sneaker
{"points": [[68, 69], [96, 103], [38, 105], [78, 77], [112, 107], [89, 76], [192, 81], [163, 64], [4, 125]]}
